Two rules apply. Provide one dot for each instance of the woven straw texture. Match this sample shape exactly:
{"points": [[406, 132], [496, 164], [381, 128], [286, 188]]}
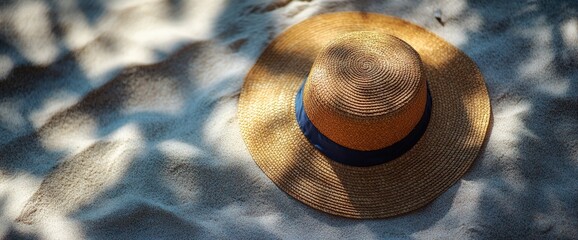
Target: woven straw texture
{"points": [[454, 137], [360, 85]]}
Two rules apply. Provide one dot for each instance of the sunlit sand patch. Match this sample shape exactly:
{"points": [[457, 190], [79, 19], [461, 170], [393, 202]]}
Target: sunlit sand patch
{"points": [[57, 102], [509, 127], [15, 190], [6, 65], [31, 23], [72, 136], [178, 150], [81, 178], [450, 11], [58, 227], [229, 143], [569, 32]]}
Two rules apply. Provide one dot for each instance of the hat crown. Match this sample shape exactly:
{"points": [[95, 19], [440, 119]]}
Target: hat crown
{"points": [[366, 90]]}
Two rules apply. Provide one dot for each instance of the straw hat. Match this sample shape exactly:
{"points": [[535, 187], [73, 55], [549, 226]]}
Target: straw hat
{"points": [[363, 115]]}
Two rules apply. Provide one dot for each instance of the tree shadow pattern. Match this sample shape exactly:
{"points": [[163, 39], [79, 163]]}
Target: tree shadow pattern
{"points": [[523, 185]]}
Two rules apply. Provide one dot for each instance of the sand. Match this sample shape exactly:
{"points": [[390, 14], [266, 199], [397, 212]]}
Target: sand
{"points": [[118, 120]]}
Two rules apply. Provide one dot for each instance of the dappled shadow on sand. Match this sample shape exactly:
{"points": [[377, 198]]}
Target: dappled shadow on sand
{"points": [[523, 183], [145, 161], [173, 124]]}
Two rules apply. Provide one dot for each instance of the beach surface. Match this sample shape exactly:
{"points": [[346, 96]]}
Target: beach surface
{"points": [[118, 120]]}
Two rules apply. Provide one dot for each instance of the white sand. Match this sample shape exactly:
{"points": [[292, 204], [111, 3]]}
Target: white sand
{"points": [[118, 120]]}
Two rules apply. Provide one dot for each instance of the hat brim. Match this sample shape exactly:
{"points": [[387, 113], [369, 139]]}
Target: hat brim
{"points": [[455, 135]]}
